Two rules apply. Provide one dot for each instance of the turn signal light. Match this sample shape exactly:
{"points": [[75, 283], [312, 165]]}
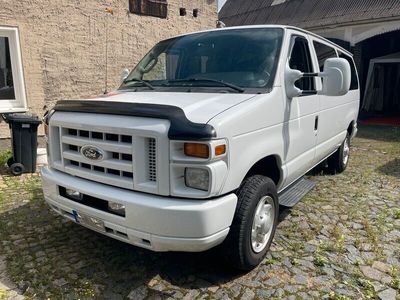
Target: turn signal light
{"points": [[220, 149], [197, 150]]}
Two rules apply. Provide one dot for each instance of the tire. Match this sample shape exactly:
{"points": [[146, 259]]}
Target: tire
{"points": [[257, 200], [339, 160], [17, 169]]}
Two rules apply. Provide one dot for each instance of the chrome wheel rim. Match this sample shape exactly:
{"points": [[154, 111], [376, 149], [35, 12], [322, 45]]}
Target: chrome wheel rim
{"points": [[263, 222], [346, 151]]}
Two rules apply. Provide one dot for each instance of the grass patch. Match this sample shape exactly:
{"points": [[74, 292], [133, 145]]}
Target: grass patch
{"points": [[396, 214], [367, 286], [320, 260], [4, 156]]}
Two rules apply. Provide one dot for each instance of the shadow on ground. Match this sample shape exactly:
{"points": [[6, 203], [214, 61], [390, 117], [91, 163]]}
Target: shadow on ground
{"points": [[4, 170], [379, 133], [392, 168]]}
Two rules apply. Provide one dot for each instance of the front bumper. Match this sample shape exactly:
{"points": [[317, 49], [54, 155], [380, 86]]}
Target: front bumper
{"points": [[152, 222]]}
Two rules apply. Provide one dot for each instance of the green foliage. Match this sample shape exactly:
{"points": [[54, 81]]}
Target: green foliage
{"points": [[320, 260], [335, 296], [4, 156]]}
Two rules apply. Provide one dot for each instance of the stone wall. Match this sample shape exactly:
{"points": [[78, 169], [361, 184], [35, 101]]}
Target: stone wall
{"points": [[63, 43]]}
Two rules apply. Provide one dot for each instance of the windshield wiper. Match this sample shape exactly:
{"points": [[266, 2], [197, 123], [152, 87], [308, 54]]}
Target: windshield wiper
{"points": [[144, 82], [230, 85]]}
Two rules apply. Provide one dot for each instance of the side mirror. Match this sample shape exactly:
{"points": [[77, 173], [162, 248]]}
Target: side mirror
{"points": [[337, 77], [124, 74], [291, 76]]}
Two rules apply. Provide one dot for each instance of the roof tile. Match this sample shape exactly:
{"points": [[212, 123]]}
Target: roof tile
{"points": [[306, 13]]}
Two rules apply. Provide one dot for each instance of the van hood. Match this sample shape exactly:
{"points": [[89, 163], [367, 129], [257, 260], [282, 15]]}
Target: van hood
{"points": [[198, 107]]}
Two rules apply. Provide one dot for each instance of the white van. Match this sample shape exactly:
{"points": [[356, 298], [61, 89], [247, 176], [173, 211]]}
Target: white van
{"points": [[203, 141]]}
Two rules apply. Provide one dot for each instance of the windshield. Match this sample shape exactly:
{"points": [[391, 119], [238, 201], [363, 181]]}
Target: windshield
{"points": [[232, 60]]}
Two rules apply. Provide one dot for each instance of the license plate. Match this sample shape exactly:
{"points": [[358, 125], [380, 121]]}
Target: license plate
{"points": [[89, 221]]}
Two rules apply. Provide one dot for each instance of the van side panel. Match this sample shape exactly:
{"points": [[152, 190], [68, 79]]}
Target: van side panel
{"points": [[254, 130]]}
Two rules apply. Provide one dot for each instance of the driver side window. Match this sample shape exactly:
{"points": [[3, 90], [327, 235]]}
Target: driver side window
{"points": [[300, 59]]}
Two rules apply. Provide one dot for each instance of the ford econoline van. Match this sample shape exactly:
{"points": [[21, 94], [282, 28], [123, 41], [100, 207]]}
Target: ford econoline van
{"points": [[203, 141]]}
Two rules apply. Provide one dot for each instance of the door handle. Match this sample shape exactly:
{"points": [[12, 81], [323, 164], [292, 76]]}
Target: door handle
{"points": [[316, 123]]}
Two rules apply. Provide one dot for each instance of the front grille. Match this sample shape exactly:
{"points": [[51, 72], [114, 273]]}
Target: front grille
{"points": [[115, 167]]}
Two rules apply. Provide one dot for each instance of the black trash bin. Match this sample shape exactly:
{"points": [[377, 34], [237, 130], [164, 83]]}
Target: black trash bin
{"points": [[24, 142]]}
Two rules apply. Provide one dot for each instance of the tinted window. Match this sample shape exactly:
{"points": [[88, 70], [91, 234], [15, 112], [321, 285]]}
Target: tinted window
{"points": [[6, 79], [354, 80], [300, 59], [244, 57], [323, 53]]}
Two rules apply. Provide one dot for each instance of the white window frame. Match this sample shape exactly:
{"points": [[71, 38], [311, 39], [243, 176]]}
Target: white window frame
{"points": [[18, 104]]}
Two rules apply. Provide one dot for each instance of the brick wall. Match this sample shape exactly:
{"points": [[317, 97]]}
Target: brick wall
{"points": [[63, 43]]}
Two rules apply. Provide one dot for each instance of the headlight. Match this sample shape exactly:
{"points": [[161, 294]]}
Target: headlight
{"points": [[197, 178], [116, 208]]}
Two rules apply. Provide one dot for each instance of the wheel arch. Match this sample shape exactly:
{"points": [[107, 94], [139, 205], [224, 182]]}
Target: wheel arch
{"points": [[270, 166], [351, 128]]}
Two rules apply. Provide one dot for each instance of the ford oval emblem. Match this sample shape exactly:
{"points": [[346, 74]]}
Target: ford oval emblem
{"points": [[92, 152]]}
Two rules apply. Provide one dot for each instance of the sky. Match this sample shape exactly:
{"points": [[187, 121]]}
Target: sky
{"points": [[220, 3]]}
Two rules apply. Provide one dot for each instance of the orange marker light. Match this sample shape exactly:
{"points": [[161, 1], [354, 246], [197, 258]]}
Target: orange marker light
{"points": [[197, 150], [220, 149]]}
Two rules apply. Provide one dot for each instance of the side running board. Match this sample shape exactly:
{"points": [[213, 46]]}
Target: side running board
{"points": [[294, 193]]}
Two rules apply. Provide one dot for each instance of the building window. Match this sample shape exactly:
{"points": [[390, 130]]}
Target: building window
{"points": [[6, 80], [12, 86], [155, 8]]}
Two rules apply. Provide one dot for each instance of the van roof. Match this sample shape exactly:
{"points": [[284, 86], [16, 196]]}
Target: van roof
{"points": [[274, 26]]}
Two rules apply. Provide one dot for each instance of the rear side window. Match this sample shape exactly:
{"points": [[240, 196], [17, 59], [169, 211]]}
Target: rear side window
{"points": [[323, 53], [354, 81], [300, 59]]}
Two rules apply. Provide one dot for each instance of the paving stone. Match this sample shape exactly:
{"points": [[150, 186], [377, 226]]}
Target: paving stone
{"points": [[372, 273], [300, 279], [213, 289], [279, 293], [273, 281], [235, 290], [247, 295], [377, 286], [138, 293], [381, 266], [389, 294], [178, 295], [264, 293], [357, 226], [192, 294]]}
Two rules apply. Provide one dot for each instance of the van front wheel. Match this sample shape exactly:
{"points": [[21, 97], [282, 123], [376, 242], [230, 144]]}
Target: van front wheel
{"points": [[254, 223]]}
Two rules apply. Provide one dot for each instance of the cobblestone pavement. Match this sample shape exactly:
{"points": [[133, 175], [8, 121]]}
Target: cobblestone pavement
{"points": [[341, 242]]}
